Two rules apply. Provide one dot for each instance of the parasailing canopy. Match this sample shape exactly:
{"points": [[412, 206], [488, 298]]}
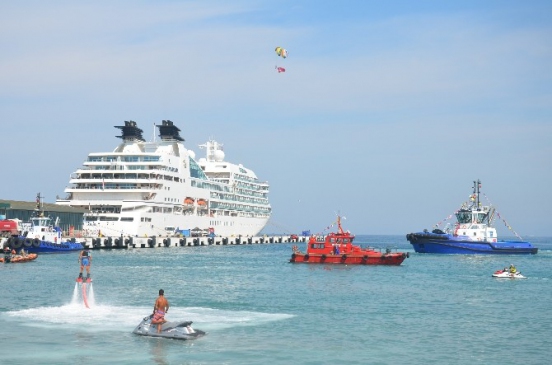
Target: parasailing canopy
{"points": [[282, 52]]}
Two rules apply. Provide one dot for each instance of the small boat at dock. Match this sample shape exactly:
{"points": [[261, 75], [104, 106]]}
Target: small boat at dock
{"points": [[41, 235]]}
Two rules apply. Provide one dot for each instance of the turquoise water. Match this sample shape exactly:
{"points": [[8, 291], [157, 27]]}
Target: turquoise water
{"points": [[257, 308]]}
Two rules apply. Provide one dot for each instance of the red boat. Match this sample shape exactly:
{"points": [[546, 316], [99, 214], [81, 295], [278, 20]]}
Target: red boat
{"points": [[338, 248]]}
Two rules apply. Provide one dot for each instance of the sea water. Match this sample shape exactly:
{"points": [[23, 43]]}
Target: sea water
{"points": [[258, 308]]}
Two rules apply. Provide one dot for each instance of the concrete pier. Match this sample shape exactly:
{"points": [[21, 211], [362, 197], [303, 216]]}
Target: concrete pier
{"points": [[127, 242]]}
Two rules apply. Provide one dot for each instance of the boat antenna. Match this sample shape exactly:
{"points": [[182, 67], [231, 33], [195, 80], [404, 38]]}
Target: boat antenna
{"points": [[153, 131], [476, 187], [39, 205], [339, 228]]}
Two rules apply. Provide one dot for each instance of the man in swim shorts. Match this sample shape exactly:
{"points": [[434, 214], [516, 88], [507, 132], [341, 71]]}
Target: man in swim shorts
{"points": [[160, 308], [85, 259]]}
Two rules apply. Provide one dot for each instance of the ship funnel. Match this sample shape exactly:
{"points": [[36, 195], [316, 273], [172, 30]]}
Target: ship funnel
{"points": [[169, 132], [130, 132]]}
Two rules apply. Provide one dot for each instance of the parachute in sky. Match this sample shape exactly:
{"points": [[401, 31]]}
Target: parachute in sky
{"points": [[282, 52], [280, 69]]}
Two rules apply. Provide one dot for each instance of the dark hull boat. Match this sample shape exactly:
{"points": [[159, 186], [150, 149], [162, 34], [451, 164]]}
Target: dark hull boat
{"points": [[41, 235], [426, 242], [473, 233]]}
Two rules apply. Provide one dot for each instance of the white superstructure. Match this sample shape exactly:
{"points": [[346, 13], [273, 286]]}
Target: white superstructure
{"points": [[155, 188]]}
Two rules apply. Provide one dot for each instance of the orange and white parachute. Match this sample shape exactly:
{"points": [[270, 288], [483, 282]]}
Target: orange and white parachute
{"points": [[282, 52]]}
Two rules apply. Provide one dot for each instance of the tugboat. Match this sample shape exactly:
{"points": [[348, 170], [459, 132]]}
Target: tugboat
{"points": [[338, 248], [473, 233], [41, 236]]}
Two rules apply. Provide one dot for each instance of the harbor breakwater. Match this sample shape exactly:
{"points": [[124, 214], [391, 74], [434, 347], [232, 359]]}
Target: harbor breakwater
{"points": [[127, 242]]}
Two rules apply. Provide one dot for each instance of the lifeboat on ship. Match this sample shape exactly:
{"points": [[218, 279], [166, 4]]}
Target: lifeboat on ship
{"points": [[188, 201], [338, 248]]}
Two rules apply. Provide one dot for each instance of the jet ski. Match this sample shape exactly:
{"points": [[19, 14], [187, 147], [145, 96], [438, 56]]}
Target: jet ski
{"points": [[176, 330], [507, 275]]}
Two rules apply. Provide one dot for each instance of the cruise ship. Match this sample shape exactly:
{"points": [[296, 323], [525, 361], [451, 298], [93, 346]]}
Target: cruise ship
{"points": [[159, 188]]}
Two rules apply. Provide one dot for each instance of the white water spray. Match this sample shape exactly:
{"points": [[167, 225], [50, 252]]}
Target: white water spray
{"points": [[91, 298], [78, 299], [75, 298]]}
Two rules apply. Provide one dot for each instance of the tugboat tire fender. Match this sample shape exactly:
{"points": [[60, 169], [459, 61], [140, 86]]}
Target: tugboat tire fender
{"points": [[18, 242]]}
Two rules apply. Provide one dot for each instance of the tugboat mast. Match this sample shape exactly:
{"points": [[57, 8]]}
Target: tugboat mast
{"points": [[476, 186], [39, 205]]}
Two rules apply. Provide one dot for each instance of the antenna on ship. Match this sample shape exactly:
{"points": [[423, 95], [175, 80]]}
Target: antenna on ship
{"points": [[154, 131], [339, 228], [39, 205], [476, 186]]}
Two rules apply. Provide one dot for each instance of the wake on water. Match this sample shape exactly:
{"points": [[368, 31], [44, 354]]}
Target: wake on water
{"points": [[100, 317]]}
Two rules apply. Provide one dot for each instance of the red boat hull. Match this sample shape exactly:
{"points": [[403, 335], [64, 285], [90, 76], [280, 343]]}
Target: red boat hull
{"points": [[370, 259]]}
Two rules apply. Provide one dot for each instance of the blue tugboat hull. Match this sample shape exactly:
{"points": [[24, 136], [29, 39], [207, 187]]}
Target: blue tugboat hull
{"points": [[49, 247], [448, 244], [40, 246]]}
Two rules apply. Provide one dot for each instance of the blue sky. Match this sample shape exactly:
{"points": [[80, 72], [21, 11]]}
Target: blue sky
{"points": [[386, 113]]}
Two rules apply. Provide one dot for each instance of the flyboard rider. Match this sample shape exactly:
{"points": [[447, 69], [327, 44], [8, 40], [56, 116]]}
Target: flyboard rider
{"points": [[85, 259]]}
